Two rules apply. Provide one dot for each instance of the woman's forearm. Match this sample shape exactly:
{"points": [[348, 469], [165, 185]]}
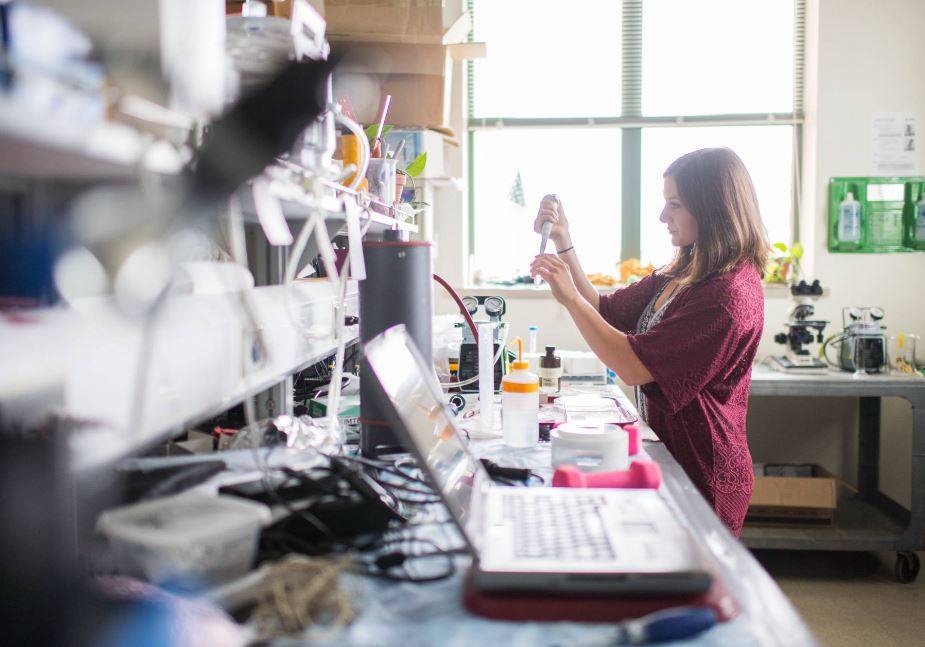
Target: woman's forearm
{"points": [[584, 286], [608, 343]]}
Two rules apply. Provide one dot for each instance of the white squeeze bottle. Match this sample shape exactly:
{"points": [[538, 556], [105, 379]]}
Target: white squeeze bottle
{"points": [[520, 403], [849, 220]]}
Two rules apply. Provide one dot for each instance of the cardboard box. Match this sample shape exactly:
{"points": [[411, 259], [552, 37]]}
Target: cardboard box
{"points": [[801, 494], [408, 21], [418, 100], [418, 76]]}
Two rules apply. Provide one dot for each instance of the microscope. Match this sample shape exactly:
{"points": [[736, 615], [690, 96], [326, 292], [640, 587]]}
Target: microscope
{"points": [[802, 330]]}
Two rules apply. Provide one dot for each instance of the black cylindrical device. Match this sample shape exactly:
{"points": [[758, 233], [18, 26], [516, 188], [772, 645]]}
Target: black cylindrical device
{"points": [[397, 290]]}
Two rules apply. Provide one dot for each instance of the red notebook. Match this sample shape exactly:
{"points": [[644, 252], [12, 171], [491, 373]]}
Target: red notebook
{"points": [[551, 608]]}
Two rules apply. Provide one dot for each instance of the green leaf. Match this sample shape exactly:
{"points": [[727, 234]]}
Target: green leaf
{"points": [[797, 250], [416, 167], [780, 246], [371, 132]]}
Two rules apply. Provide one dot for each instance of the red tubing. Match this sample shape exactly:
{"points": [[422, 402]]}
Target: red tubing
{"points": [[462, 308]]}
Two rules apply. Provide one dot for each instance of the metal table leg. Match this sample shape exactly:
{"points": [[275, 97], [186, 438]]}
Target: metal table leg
{"points": [[869, 448]]}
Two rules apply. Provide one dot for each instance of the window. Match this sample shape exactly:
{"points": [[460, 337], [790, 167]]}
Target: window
{"points": [[592, 101]]}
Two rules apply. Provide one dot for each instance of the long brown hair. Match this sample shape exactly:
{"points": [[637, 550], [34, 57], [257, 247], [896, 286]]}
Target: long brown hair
{"points": [[716, 188]]}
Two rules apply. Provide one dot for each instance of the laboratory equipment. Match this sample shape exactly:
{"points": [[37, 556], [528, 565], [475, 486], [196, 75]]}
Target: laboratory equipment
{"points": [[800, 329], [862, 345], [576, 551], [544, 236], [545, 230], [377, 141], [640, 474], [381, 177], [874, 214], [550, 371], [495, 308], [520, 403], [397, 289], [532, 344], [591, 448], [593, 409], [486, 378]]}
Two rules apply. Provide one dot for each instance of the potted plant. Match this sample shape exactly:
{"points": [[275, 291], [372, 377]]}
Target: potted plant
{"points": [[413, 170], [784, 265]]}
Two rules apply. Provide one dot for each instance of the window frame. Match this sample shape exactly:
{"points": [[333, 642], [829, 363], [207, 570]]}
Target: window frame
{"points": [[631, 122]]}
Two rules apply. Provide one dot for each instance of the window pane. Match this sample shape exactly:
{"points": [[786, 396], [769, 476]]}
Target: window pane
{"points": [[767, 152], [581, 166], [547, 58], [717, 57]]}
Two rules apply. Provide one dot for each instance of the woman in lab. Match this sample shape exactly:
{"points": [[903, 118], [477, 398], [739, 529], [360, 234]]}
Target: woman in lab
{"points": [[686, 335]]}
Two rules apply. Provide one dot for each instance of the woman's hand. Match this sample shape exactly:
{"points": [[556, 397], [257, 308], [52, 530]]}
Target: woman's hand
{"points": [[557, 274], [551, 211]]}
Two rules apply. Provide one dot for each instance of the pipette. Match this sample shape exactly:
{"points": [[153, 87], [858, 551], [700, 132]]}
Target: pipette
{"points": [[544, 233], [545, 230]]}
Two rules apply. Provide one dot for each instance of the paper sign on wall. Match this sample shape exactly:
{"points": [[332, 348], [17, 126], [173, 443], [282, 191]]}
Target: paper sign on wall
{"points": [[895, 142]]}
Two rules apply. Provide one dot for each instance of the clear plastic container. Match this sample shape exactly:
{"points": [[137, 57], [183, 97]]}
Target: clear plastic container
{"points": [[520, 404], [589, 409], [591, 448], [192, 537]]}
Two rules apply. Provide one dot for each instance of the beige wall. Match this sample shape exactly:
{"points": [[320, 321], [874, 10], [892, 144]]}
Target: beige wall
{"points": [[863, 57]]}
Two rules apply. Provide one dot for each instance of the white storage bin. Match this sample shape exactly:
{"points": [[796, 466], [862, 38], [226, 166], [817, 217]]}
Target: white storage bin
{"points": [[189, 536]]}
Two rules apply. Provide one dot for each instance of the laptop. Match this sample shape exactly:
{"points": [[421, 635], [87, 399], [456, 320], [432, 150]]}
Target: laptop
{"points": [[533, 539]]}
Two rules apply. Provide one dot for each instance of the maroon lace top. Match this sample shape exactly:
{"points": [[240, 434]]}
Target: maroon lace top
{"points": [[700, 353]]}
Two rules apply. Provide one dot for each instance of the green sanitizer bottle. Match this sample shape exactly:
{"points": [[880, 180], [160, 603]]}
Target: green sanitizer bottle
{"points": [[920, 221], [849, 221]]}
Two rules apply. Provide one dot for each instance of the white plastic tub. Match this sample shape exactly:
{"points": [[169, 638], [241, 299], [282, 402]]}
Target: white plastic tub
{"points": [[207, 539]]}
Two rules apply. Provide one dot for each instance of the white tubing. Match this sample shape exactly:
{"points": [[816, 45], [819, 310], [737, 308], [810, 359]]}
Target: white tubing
{"points": [[486, 376], [354, 128], [475, 378], [335, 386]]}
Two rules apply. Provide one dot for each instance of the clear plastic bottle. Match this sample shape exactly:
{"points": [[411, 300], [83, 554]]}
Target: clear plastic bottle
{"points": [[520, 403], [920, 222], [849, 220]]}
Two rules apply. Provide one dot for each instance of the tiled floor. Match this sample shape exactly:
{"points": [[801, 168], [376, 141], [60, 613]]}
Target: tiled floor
{"points": [[850, 599]]}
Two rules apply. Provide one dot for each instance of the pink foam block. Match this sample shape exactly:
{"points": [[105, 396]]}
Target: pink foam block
{"points": [[643, 474]]}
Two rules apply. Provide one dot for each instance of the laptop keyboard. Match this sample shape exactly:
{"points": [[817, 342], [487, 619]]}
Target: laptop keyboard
{"points": [[559, 528]]}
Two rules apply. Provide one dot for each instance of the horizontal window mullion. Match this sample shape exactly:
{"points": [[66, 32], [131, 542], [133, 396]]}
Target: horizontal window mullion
{"points": [[773, 119]]}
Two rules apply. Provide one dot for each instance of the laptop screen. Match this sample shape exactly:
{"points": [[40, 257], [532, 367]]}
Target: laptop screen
{"points": [[417, 401]]}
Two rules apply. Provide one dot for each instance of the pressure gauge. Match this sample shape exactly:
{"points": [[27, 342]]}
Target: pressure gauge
{"points": [[494, 307], [877, 313], [471, 303], [854, 312]]}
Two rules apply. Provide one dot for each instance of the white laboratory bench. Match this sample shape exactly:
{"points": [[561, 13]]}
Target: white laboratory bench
{"points": [[402, 614]]}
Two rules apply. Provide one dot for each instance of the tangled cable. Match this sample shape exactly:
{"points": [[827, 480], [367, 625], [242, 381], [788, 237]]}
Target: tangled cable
{"points": [[301, 592]]}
